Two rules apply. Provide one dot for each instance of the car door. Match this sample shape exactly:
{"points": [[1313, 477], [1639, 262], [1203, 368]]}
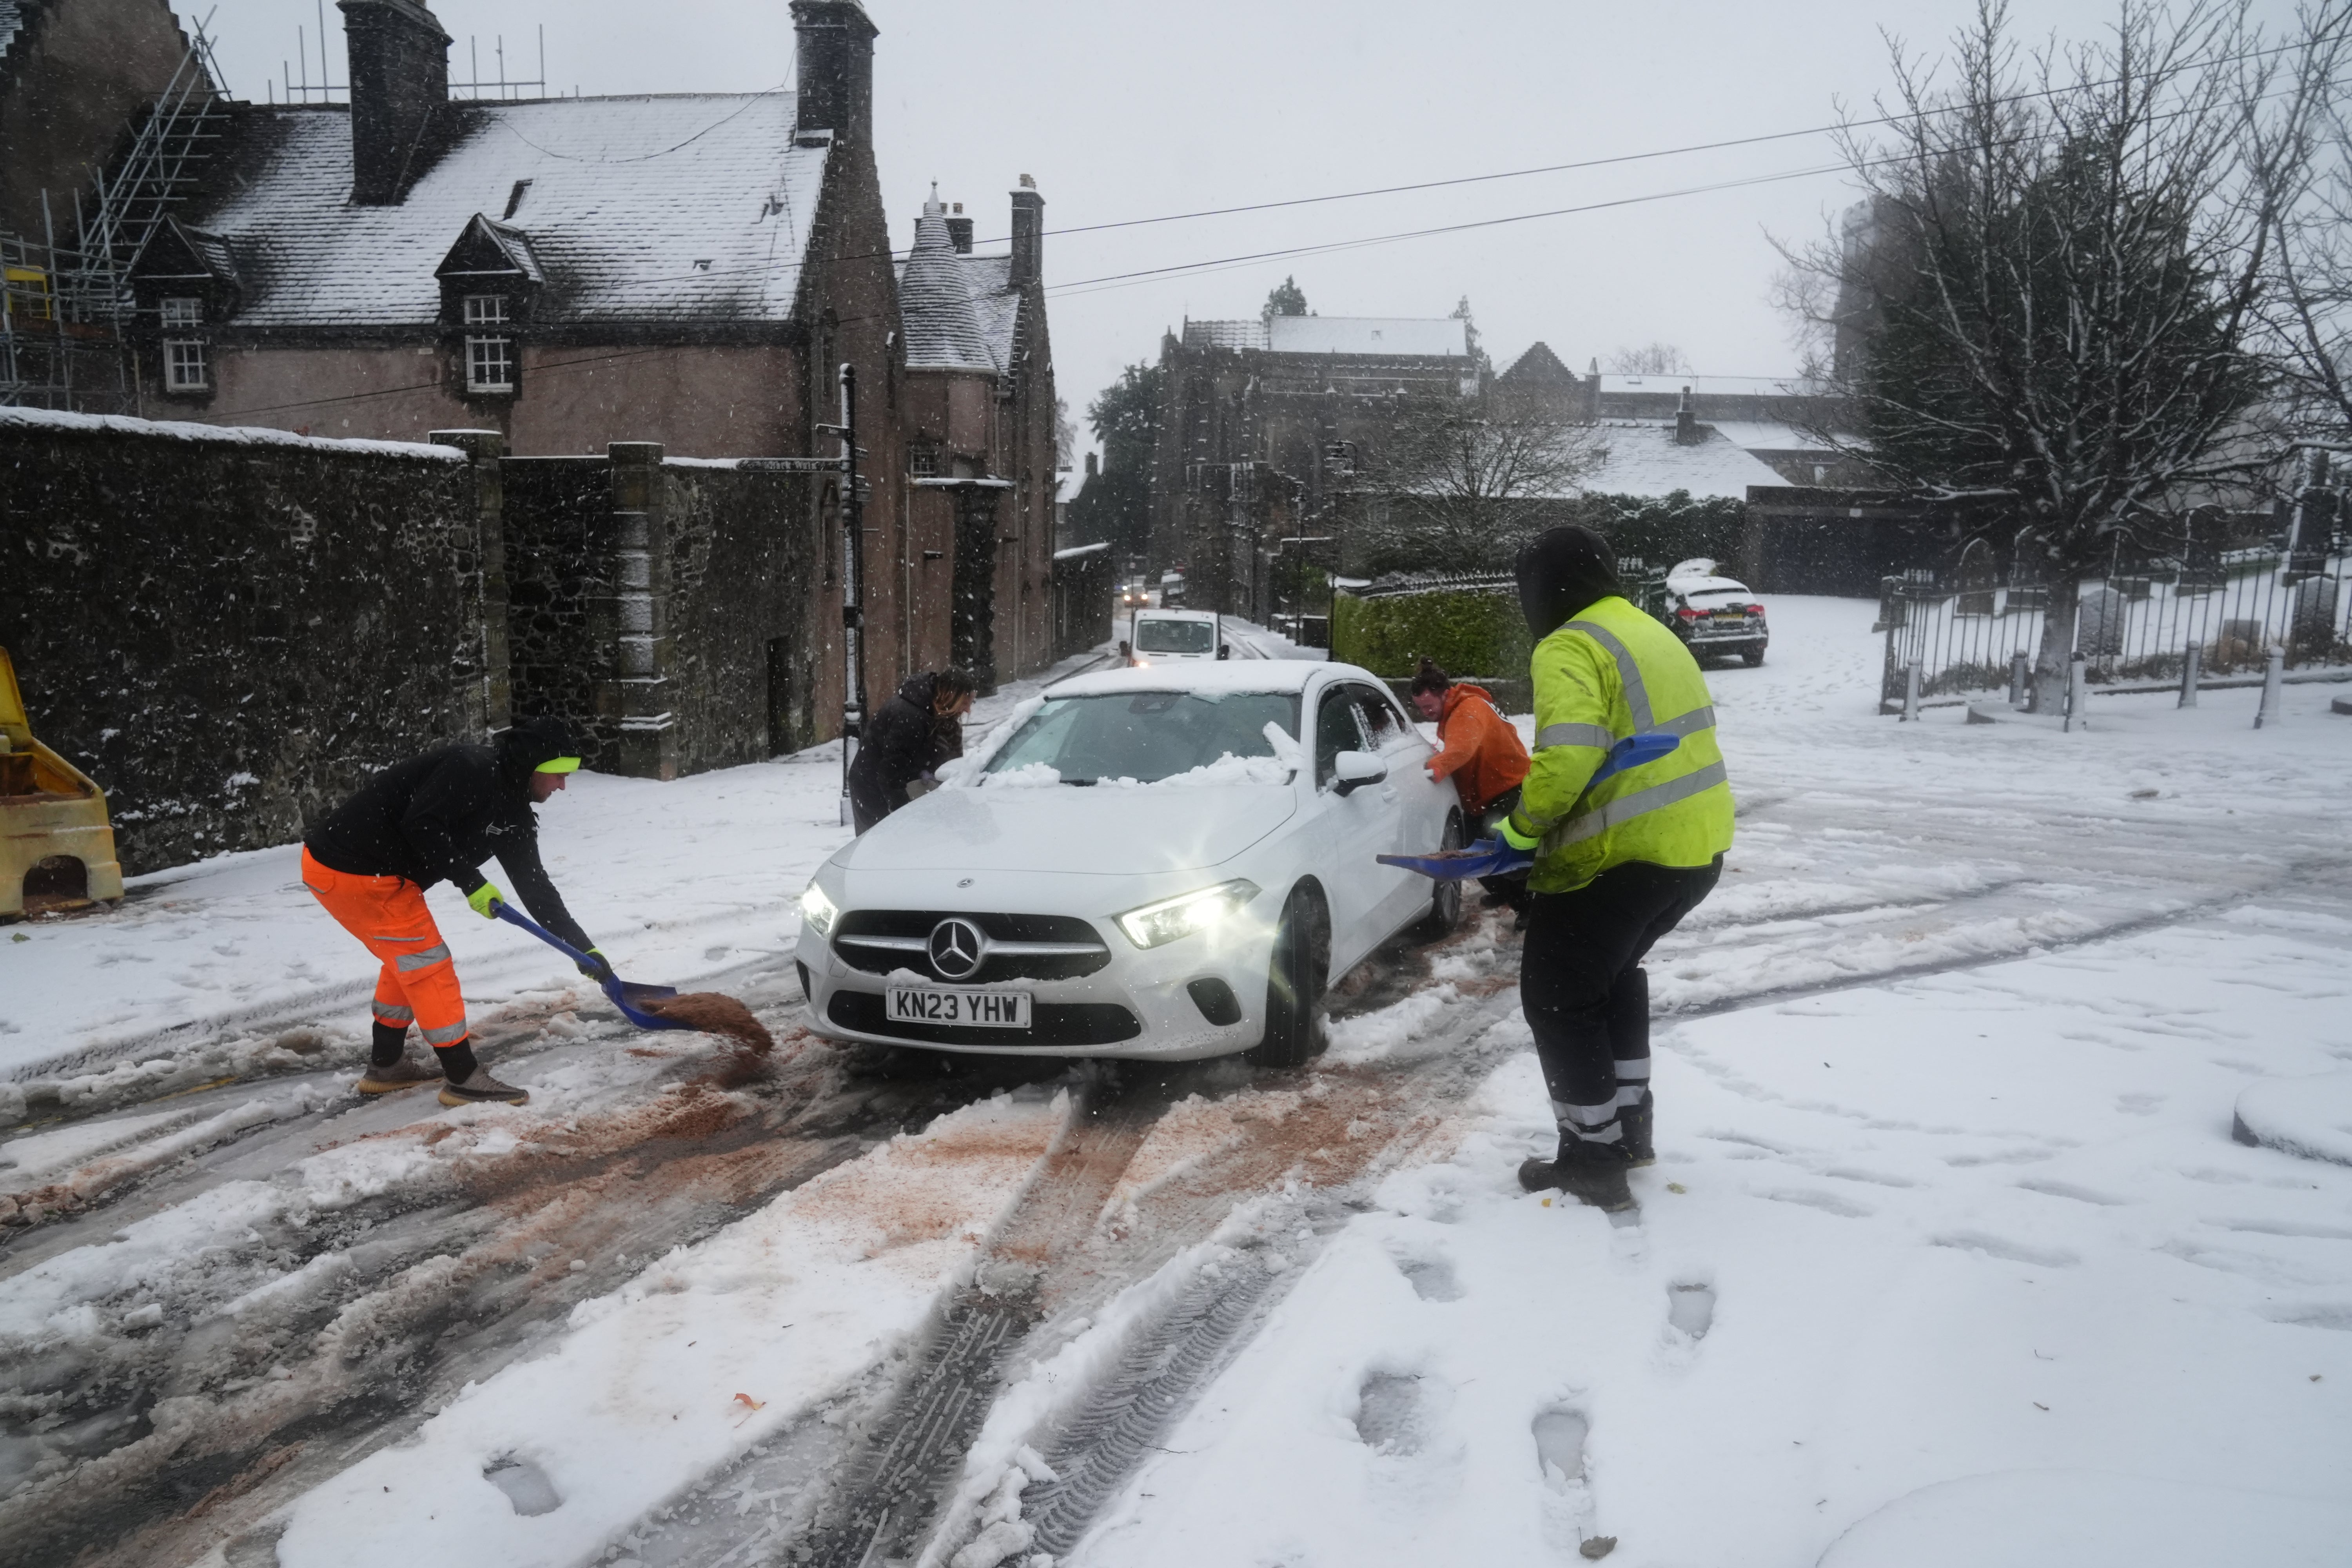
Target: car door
{"points": [[1350, 829], [1415, 829]]}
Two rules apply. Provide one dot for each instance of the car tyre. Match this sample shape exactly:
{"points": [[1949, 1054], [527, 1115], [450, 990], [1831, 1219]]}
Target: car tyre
{"points": [[1753, 655], [1445, 901], [1295, 979]]}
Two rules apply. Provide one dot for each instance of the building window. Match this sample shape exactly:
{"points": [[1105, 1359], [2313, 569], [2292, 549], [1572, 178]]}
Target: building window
{"points": [[923, 461], [184, 313], [489, 364], [183, 366], [485, 309]]}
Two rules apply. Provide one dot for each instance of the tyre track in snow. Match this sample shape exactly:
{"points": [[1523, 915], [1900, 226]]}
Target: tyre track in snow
{"points": [[271, 1333]]}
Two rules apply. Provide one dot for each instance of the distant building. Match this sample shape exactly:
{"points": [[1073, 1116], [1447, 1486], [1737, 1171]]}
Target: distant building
{"points": [[1262, 424]]}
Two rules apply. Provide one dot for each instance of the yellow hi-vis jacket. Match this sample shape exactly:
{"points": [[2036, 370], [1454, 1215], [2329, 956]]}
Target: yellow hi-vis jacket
{"points": [[1611, 672]]}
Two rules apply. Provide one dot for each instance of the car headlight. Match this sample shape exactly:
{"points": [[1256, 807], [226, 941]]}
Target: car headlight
{"points": [[1155, 924], [817, 911]]}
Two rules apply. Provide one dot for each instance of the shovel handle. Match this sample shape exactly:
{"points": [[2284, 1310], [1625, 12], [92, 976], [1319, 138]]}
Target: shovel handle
{"points": [[501, 909]]}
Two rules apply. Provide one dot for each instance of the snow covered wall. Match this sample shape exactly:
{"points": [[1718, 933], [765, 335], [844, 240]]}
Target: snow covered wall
{"points": [[228, 629]]}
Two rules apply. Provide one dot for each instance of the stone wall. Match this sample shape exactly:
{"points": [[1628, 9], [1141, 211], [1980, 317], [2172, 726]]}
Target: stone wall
{"points": [[674, 612], [231, 630]]}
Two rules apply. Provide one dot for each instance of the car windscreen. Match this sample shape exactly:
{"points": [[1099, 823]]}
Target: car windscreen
{"points": [[1175, 637], [1146, 736]]}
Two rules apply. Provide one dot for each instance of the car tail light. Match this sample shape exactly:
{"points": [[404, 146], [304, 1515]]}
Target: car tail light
{"points": [[1687, 613], [1755, 609]]}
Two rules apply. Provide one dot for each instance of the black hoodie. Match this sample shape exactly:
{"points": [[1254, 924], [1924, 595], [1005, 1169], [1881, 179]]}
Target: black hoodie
{"points": [[1562, 571], [438, 816], [905, 740]]}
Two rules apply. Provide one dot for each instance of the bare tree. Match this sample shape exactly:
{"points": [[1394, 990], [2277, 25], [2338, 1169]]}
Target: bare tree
{"points": [[2307, 307], [1455, 477], [2044, 304], [1651, 359]]}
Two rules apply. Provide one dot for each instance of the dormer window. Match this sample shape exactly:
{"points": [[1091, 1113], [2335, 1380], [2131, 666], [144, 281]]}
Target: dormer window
{"points": [[489, 356]]}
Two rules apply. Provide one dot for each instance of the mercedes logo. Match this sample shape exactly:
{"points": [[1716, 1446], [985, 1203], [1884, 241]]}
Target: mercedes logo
{"points": [[957, 948]]}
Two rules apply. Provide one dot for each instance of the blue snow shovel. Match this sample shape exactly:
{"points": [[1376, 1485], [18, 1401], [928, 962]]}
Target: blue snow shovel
{"points": [[1495, 856], [625, 995]]}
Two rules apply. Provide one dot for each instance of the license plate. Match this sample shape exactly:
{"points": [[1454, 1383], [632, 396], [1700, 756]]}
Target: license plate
{"points": [[964, 1009]]}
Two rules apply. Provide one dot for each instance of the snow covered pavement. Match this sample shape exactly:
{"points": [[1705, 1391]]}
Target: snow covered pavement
{"points": [[1948, 1233]]}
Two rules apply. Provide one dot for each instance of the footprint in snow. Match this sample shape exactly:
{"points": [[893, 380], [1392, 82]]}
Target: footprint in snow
{"points": [[525, 1484], [1560, 1434], [1690, 1308], [2005, 1249], [1394, 1414], [1430, 1276], [1828, 1203]]}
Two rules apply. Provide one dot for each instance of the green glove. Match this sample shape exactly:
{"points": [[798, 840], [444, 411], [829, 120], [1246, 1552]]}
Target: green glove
{"points": [[1523, 842], [483, 896], [600, 969]]}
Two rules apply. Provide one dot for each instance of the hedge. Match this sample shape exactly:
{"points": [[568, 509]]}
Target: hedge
{"points": [[1469, 631]]}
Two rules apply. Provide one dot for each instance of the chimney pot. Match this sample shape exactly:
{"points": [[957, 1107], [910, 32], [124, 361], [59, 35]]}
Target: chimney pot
{"points": [[399, 72]]}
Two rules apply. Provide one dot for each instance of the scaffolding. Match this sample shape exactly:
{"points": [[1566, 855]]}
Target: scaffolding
{"points": [[64, 306]]}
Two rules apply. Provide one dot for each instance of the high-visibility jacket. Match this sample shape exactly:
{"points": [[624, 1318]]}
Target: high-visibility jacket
{"points": [[1611, 672]]}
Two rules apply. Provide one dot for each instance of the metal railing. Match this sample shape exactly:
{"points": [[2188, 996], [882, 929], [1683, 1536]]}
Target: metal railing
{"points": [[2211, 618]]}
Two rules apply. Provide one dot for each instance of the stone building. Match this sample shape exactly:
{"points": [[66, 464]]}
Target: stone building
{"points": [[1263, 422], [689, 270], [979, 411], [76, 77]]}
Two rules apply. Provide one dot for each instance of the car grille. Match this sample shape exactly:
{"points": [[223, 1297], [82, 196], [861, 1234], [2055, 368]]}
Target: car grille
{"points": [[1051, 1024], [1020, 947]]}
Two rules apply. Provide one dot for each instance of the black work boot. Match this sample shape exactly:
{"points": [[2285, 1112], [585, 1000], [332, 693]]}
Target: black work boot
{"points": [[389, 1069], [1629, 1040], [1589, 1172]]}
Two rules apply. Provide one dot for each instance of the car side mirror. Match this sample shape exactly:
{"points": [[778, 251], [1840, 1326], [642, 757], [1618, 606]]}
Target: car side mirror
{"points": [[1224, 650], [1354, 770]]}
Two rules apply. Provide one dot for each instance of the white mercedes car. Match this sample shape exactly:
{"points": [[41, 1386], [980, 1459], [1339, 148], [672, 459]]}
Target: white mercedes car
{"points": [[1141, 863]]}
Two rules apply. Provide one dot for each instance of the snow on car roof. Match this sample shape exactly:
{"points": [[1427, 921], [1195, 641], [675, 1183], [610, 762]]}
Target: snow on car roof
{"points": [[1286, 675]]}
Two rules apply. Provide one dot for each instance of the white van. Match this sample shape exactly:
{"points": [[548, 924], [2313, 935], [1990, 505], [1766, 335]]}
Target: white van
{"points": [[1173, 636]]}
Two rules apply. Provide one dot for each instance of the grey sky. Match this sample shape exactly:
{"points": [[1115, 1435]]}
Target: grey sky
{"points": [[1126, 111]]}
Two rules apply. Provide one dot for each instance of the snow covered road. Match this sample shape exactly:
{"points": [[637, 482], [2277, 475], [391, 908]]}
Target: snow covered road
{"points": [[1946, 1118]]}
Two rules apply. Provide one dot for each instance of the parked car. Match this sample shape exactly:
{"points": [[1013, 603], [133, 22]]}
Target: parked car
{"points": [[1133, 596], [1170, 862], [1174, 636], [1714, 615]]}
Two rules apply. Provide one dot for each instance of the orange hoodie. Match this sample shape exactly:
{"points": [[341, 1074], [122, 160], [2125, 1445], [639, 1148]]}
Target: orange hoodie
{"points": [[1481, 752]]}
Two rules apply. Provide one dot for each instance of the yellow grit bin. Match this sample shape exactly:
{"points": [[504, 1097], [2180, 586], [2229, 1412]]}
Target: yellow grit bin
{"points": [[56, 849]]}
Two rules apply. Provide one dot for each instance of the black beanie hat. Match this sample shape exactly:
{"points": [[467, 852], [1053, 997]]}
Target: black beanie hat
{"points": [[535, 741], [1561, 572]]}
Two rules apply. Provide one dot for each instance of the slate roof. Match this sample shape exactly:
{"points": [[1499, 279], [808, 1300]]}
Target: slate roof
{"points": [[1643, 459], [1442, 337], [692, 206], [961, 313]]}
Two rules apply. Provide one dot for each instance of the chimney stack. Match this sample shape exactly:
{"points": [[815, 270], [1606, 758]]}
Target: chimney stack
{"points": [[1686, 422], [399, 66], [835, 47], [960, 231], [1028, 234]]}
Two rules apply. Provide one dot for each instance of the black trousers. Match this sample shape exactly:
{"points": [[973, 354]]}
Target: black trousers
{"points": [[1585, 993], [869, 801]]}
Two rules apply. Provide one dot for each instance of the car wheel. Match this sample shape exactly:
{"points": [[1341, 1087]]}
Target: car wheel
{"points": [[1295, 984], [1445, 903], [1753, 655]]}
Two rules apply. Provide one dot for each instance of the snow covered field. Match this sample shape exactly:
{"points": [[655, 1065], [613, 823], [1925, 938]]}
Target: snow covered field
{"points": [[1949, 1255]]}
